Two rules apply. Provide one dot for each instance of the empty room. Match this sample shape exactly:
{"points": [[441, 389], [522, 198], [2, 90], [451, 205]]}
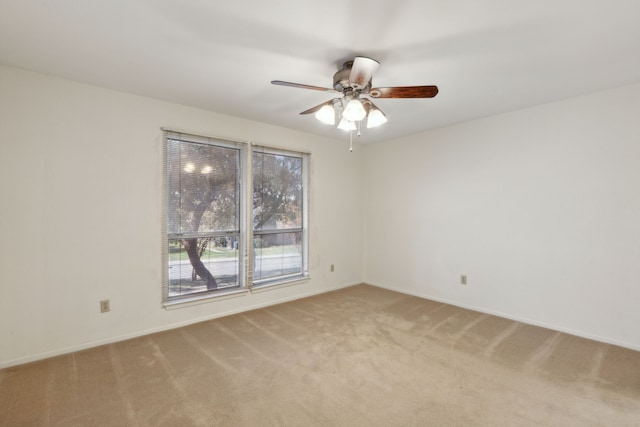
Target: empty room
{"points": [[338, 213]]}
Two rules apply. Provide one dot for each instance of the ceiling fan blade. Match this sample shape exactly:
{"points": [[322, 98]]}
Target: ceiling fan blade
{"points": [[362, 70], [404, 92], [302, 86], [318, 107]]}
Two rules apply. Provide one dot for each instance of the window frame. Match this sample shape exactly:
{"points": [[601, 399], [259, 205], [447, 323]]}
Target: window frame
{"points": [[304, 229], [241, 288], [246, 252]]}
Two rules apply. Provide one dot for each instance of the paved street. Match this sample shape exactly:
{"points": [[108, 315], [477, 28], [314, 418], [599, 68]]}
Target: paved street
{"points": [[266, 266]]}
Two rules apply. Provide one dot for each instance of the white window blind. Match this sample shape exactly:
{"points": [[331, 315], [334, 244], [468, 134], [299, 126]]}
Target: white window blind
{"points": [[279, 216], [204, 232]]}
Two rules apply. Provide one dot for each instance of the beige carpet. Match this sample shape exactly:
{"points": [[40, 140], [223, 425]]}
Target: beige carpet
{"points": [[361, 356]]}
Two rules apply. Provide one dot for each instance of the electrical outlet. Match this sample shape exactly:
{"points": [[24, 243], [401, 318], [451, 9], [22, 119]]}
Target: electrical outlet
{"points": [[463, 279], [105, 306], [332, 269]]}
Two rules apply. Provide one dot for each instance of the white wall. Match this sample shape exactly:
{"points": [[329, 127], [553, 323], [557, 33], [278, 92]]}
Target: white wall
{"points": [[80, 199], [539, 207]]}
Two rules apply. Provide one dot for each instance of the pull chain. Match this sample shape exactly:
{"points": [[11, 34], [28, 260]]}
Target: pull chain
{"points": [[351, 138]]}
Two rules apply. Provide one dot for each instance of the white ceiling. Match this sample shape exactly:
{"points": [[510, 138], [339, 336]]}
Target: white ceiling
{"points": [[486, 56]]}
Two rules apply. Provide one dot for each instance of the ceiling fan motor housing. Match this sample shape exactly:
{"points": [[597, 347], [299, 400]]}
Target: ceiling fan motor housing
{"points": [[341, 81]]}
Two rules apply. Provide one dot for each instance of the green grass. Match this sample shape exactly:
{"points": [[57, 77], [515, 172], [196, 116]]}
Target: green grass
{"points": [[176, 255], [210, 253]]}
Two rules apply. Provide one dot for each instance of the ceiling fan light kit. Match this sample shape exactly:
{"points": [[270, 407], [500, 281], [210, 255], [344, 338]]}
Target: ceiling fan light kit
{"points": [[346, 125], [326, 115], [375, 118], [354, 111], [353, 81]]}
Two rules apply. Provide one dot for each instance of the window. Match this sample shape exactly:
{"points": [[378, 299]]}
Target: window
{"points": [[209, 188], [279, 231], [204, 227]]}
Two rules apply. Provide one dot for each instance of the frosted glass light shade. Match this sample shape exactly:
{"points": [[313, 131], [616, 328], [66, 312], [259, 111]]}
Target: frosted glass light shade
{"points": [[326, 115], [346, 124], [354, 111], [376, 118]]}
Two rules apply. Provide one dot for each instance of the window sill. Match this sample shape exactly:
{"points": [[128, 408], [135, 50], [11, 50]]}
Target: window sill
{"points": [[202, 299], [270, 286]]}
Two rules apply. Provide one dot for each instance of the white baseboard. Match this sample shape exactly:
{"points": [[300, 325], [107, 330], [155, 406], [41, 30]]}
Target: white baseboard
{"points": [[111, 340], [528, 321]]}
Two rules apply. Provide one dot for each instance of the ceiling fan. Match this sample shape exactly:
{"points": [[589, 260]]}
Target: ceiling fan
{"points": [[353, 81]]}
